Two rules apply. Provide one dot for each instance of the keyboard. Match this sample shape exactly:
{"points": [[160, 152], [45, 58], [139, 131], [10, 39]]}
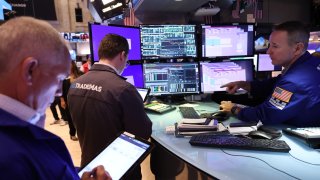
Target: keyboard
{"points": [[308, 132], [189, 113], [310, 135], [233, 142]]}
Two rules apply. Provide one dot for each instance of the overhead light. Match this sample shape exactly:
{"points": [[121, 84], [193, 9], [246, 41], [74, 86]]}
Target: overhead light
{"points": [[111, 7], [106, 1], [207, 11], [178, 0]]}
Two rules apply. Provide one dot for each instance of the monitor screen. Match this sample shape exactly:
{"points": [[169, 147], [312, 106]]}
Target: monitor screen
{"points": [[171, 78], [265, 63], [134, 75], [215, 74], [314, 42], [132, 34], [168, 41], [227, 40]]}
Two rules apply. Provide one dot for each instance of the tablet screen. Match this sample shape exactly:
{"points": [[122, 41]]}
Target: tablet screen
{"points": [[144, 92], [123, 153]]}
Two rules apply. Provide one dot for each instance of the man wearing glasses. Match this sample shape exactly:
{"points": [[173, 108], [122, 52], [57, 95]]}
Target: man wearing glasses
{"points": [[103, 104]]}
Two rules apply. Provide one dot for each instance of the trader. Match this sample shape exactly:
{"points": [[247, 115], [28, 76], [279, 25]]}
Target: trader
{"points": [[294, 96], [102, 104], [33, 63]]}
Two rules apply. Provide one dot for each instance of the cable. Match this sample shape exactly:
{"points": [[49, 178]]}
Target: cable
{"points": [[303, 160], [262, 161]]}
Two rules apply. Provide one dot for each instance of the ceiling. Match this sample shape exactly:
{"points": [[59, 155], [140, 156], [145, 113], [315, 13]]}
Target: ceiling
{"points": [[169, 6]]}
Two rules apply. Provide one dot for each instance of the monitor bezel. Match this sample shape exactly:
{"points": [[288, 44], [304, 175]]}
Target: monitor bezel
{"points": [[218, 58], [221, 61], [275, 68], [154, 58], [112, 25], [173, 94]]}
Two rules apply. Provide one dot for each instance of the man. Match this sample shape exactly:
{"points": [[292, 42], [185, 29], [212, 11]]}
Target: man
{"points": [[103, 104], [87, 65], [294, 96], [33, 63]]}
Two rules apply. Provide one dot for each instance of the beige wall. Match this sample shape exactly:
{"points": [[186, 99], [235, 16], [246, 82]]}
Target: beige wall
{"points": [[65, 10]]}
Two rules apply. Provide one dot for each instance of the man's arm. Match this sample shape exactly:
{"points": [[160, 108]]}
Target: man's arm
{"points": [[277, 108], [135, 119]]}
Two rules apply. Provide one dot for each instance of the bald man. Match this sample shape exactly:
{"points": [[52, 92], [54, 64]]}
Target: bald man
{"points": [[34, 60]]}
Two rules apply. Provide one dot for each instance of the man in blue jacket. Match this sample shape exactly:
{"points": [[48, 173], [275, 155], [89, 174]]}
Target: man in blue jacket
{"points": [[294, 96], [33, 63]]}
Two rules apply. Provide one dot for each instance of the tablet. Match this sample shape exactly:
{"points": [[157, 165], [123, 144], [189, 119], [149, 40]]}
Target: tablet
{"points": [[144, 92], [121, 155]]}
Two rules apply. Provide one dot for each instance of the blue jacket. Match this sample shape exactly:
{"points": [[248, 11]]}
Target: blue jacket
{"points": [[29, 152], [292, 98]]}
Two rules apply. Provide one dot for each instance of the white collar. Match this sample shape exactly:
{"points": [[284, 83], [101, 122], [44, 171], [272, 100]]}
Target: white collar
{"points": [[19, 109], [104, 63]]}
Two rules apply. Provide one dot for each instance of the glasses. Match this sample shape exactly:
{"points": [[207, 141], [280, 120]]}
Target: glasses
{"points": [[127, 64]]}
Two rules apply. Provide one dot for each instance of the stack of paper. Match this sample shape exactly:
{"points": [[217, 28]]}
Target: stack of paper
{"points": [[195, 125]]}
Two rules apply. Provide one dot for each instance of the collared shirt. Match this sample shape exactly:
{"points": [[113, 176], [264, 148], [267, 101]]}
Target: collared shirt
{"points": [[104, 63], [19, 109]]}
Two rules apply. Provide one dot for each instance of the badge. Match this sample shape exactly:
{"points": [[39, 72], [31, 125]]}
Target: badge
{"points": [[280, 98]]}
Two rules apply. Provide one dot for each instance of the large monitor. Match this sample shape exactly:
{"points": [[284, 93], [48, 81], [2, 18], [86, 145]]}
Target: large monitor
{"points": [[134, 75], [168, 41], [215, 74], [132, 34], [171, 78], [227, 40], [265, 63], [314, 42]]}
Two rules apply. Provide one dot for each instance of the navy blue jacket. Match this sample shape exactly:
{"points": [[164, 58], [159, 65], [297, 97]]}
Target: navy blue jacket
{"points": [[292, 98], [29, 152]]}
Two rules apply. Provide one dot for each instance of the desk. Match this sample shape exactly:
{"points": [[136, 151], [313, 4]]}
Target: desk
{"points": [[220, 165]]}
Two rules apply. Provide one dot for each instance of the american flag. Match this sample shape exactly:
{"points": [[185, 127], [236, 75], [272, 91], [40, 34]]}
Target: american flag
{"points": [[236, 9], [258, 8], [129, 18], [282, 94], [208, 19]]}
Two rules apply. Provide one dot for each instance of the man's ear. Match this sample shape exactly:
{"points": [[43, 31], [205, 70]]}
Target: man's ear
{"points": [[123, 55], [299, 47], [28, 66]]}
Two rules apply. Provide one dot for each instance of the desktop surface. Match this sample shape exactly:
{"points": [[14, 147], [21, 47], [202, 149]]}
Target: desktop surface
{"points": [[223, 164]]}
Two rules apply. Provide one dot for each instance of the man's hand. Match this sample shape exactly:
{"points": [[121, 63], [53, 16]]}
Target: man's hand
{"points": [[226, 106], [97, 173], [232, 87]]}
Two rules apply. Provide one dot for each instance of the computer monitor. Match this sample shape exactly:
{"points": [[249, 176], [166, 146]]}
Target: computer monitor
{"points": [[171, 78], [314, 42], [227, 40], [132, 34], [134, 75], [215, 74], [265, 63], [168, 41]]}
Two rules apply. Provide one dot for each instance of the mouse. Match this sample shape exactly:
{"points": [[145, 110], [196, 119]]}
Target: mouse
{"points": [[260, 135], [270, 130], [220, 116], [206, 115]]}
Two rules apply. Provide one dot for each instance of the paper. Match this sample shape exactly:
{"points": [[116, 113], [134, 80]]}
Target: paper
{"points": [[213, 126], [193, 121], [241, 130]]}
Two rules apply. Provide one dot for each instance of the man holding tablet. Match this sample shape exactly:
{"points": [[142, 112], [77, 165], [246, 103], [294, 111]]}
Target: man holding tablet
{"points": [[34, 60]]}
